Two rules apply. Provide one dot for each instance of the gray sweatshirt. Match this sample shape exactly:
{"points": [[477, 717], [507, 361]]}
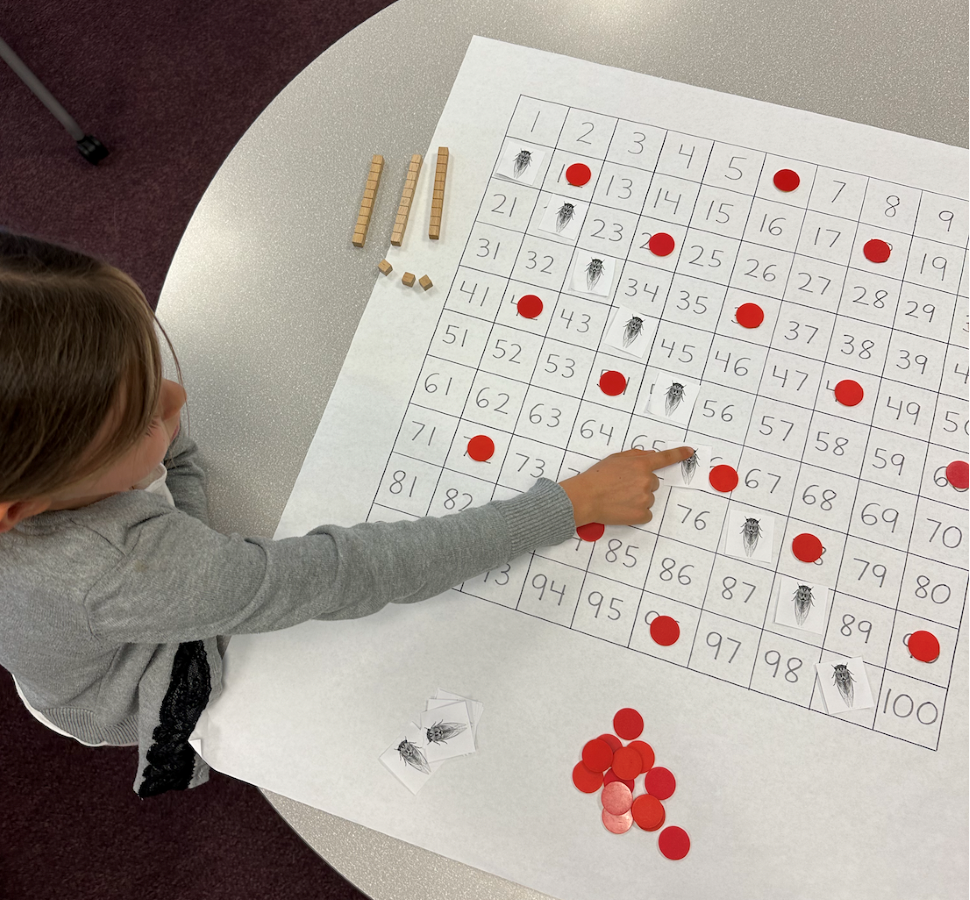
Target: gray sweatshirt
{"points": [[110, 613]]}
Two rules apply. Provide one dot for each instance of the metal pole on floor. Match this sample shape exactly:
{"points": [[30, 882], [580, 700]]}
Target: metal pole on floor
{"points": [[89, 146]]}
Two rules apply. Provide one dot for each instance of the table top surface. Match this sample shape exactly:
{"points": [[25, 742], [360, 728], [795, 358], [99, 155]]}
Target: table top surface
{"points": [[265, 291]]}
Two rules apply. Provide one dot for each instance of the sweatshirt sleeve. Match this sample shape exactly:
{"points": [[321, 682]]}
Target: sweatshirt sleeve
{"points": [[175, 579], [186, 478]]}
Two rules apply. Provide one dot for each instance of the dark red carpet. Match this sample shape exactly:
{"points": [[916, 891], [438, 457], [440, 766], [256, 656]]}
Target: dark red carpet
{"points": [[169, 87]]}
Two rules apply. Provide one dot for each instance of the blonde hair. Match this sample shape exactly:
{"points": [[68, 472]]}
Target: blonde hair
{"points": [[77, 336]]}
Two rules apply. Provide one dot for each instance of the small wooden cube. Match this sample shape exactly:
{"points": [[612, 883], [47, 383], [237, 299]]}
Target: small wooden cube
{"points": [[424, 281], [408, 279], [385, 267]]}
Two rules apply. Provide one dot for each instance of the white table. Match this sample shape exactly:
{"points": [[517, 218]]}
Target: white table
{"points": [[265, 291]]}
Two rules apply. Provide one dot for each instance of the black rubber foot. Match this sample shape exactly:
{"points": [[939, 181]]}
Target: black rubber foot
{"points": [[92, 149]]}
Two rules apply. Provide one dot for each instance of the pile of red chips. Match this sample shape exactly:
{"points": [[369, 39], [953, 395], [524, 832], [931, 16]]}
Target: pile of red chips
{"points": [[609, 764]]}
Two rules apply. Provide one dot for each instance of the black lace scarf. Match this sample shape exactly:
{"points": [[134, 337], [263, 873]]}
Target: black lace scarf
{"points": [[171, 760]]}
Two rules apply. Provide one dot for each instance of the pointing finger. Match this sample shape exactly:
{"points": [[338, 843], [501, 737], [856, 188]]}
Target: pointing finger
{"points": [[670, 457]]}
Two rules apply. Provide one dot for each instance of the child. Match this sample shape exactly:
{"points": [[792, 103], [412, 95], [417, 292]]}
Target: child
{"points": [[115, 588]]}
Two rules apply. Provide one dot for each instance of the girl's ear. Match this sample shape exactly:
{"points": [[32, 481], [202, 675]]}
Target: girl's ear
{"points": [[14, 511]]}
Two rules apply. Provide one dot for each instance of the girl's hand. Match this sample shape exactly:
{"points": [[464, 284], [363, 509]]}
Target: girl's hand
{"points": [[619, 490]]}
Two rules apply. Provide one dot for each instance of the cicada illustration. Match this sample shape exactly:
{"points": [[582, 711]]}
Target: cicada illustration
{"points": [[564, 216], [412, 756], [523, 159], [632, 330], [594, 271], [675, 394], [844, 681], [442, 732], [689, 466], [804, 602], [750, 534]]}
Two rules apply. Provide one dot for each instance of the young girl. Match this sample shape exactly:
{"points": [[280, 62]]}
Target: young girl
{"points": [[114, 588]]}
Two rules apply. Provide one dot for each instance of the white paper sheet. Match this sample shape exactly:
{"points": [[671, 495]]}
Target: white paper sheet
{"points": [[733, 708]]}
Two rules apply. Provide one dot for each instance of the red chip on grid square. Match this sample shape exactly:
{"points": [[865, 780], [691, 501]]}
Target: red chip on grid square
{"points": [[849, 392], [578, 174], [723, 478], [750, 315], [958, 474], [627, 763], [660, 782], [786, 180], [807, 547], [529, 306], [664, 630], [481, 447], [597, 755], [628, 724], [612, 383], [592, 531], [876, 251], [588, 781], [646, 754], [924, 646], [661, 244]]}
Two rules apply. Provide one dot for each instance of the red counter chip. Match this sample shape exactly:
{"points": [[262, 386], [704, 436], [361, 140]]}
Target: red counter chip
{"points": [[958, 474], [612, 383], [660, 782], [674, 842], [597, 755], [617, 798], [664, 630], [592, 531], [586, 780], [849, 392], [924, 646], [786, 180], [609, 776], [750, 315], [529, 306], [481, 447], [661, 244], [628, 724], [646, 754], [807, 547], [578, 174], [648, 812], [876, 251], [627, 763], [723, 478], [611, 739]]}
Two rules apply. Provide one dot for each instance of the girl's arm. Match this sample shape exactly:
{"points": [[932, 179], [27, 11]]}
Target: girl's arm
{"points": [[175, 579], [186, 477]]}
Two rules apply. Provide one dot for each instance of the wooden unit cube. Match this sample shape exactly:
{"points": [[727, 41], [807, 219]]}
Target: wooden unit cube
{"points": [[408, 279], [425, 282], [385, 267]]}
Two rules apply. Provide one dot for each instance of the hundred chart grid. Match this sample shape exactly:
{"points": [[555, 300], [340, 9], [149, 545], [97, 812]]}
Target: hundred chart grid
{"points": [[868, 480]]}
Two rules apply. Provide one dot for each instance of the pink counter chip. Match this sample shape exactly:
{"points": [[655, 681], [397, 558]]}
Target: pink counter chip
{"points": [[617, 798], [618, 824]]}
